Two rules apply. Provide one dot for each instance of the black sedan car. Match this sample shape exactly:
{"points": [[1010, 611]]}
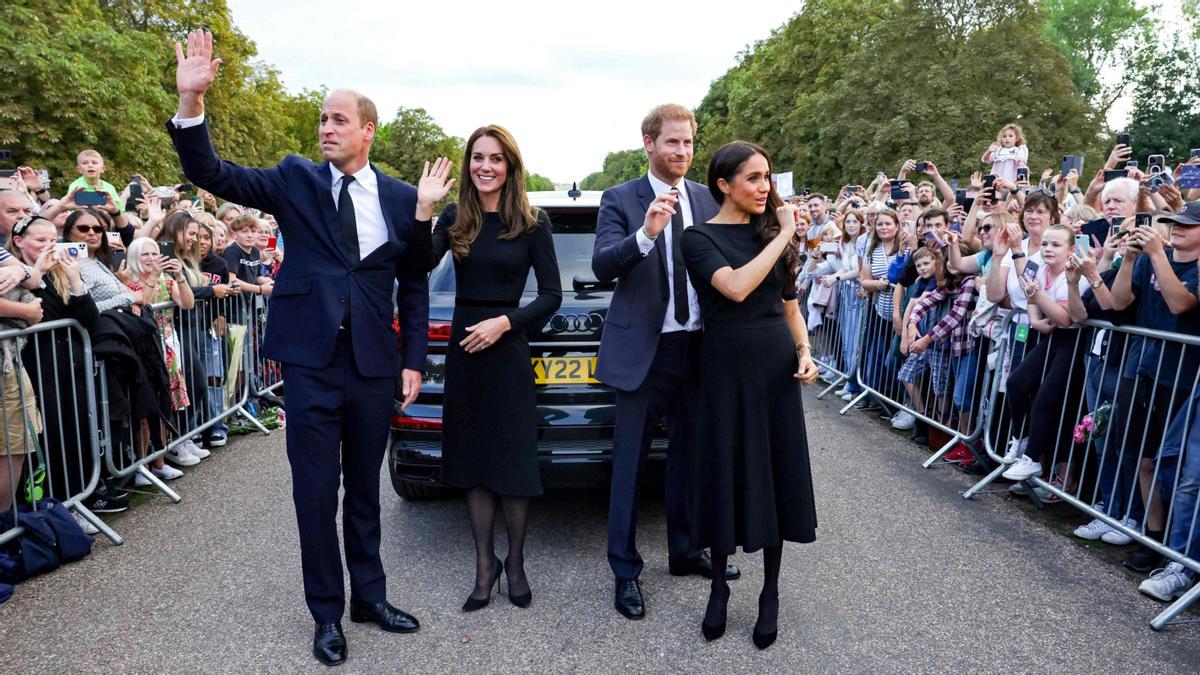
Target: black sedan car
{"points": [[575, 411]]}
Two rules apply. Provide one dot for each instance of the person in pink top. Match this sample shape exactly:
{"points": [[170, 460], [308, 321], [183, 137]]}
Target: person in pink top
{"points": [[1008, 153]]}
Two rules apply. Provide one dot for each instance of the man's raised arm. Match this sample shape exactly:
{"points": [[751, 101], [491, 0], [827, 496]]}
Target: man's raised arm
{"points": [[194, 72]]}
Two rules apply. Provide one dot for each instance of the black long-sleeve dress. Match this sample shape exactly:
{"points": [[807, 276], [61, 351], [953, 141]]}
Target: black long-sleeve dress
{"points": [[489, 437], [752, 485]]}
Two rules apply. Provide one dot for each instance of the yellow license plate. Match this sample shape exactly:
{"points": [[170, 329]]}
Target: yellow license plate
{"points": [[564, 370]]}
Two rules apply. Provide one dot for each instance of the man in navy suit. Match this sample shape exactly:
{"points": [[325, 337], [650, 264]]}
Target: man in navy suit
{"points": [[351, 238], [649, 348]]}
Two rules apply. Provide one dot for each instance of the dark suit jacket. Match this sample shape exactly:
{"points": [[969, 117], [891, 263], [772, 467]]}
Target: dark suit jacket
{"points": [[639, 304], [319, 277]]}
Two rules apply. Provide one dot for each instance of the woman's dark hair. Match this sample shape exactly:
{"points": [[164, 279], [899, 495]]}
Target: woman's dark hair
{"points": [[1036, 199], [725, 164], [103, 253]]}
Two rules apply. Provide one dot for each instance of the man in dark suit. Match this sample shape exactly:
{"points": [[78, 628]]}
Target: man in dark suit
{"points": [[649, 348], [351, 239]]}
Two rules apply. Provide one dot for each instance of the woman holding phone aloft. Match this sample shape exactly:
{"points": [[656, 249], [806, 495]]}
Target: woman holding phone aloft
{"points": [[489, 442], [752, 483]]}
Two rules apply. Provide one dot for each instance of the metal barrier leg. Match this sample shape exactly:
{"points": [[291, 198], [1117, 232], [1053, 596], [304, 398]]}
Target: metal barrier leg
{"points": [[162, 487], [937, 456], [241, 408], [861, 395], [837, 382], [979, 487], [105, 530], [1168, 615]]}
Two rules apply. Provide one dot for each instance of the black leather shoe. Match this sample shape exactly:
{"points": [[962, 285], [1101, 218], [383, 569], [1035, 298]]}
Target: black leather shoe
{"points": [[386, 617], [271, 400], [329, 644], [629, 599], [702, 565]]}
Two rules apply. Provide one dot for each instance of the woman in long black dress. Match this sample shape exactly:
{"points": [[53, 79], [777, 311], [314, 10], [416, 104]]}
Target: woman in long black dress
{"points": [[489, 439], [752, 485]]}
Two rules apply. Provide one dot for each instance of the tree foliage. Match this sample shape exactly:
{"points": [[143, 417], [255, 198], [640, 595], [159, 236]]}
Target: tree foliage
{"points": [[1098, 37], [850, 87], [1166, 115], [619, 167], [538, 183], [409, 140]]}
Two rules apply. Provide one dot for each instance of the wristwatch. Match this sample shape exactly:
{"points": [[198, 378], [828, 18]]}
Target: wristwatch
{"points": [[1097, 283], [1017, 255], [28, 272]]}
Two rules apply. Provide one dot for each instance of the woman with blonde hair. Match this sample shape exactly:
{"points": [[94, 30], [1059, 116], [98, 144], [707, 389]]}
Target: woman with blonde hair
{"points": [[490, 434]]}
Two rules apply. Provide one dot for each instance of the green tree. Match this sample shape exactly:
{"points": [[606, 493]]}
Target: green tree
{"points": [[412, 138], [1166, 116], [1097, 37], [619, 167], [538, 183]]}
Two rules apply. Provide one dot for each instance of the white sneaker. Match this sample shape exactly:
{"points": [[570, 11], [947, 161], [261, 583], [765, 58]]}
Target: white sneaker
{"points": [[841, 392], [1167, 584], [217, 442], [179, 455], [141, 481], [1117, 537], [1016, 448], [847, 396], [903, 421], [168, 472], [88, 528], [1024, 468], [195, 450], [1093, 530]]}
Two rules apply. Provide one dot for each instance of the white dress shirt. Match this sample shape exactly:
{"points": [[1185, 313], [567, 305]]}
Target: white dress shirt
{"points": [[646, 244], [368, 212]]}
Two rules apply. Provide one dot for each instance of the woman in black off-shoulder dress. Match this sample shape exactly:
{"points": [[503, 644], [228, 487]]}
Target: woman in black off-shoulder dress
{"points": [[751, 485], [489, 437]]}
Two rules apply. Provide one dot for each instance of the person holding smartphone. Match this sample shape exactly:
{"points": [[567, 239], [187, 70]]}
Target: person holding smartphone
{"points": [[1044, 390]]}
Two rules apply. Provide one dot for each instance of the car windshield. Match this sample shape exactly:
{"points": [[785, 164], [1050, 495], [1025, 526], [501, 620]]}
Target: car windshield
{"points": [[574, 236]]}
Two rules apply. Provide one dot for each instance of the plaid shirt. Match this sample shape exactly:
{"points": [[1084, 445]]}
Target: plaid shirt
{"points": [[953, 326]]}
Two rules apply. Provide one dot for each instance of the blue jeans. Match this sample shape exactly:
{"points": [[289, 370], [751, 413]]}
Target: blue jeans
{"points": [[1118, 475], [878, 365], [849, 315], [214, 367], [965, 368], [1182, 444]]}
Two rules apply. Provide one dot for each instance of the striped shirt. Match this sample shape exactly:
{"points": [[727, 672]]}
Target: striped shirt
{"points": [[880, 260]]}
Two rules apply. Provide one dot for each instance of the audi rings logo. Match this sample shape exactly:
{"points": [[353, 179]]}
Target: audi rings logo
{"points": [[575, 323]]}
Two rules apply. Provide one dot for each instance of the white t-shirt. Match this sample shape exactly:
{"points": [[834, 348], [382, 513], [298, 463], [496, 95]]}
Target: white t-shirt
{"points": [[1016, 294], [1006, 160], [1057, 289]]}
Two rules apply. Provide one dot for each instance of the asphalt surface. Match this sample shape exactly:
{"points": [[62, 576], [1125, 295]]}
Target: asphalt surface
{"points": [[905, 577]]}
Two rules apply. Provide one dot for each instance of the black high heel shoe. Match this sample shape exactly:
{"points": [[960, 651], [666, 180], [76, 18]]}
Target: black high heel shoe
{"points": [[523, 600], [763, 639], [712, 631], [473, 604]]}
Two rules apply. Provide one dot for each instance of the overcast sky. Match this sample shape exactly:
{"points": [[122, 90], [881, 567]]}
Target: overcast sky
{"points": [[571, 81]]}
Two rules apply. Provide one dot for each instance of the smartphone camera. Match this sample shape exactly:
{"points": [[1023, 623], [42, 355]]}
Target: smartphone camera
{"points": [[922, 166], [1143, 219], [1123, 139], [988, 181], [1023, 174], [5, 155]]}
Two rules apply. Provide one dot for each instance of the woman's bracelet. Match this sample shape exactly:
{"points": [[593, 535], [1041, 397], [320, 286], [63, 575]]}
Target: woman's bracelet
{"points": [[803, 346]]}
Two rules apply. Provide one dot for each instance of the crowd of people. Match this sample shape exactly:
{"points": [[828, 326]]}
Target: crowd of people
{"points": [[921, 288], [165, 282]]}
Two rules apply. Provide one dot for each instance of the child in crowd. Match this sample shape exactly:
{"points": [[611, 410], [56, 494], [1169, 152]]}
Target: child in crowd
{"points": [[849, 304], [1045, 389], [90, 166], [244, 259], [931, 273], [1008, 153]]}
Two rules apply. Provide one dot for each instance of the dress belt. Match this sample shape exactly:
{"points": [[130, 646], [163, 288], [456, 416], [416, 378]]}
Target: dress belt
{"points": [[469, 302]]}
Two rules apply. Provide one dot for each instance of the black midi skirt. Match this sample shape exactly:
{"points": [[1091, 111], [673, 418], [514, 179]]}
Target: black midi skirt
{"points": [[751, 480], [489, 433]]}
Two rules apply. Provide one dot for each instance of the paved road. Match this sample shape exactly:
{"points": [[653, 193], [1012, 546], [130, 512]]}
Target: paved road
{"points": [[906, 576]]}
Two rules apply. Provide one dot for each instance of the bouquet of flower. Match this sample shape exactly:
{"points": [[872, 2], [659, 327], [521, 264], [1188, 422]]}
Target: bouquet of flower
{"points": [[1093, 425]]}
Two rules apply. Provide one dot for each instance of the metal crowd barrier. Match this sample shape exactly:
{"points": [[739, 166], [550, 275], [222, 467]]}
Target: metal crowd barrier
{"points": [[56, 416], [267, 374], [212, 345], [826, 332], [1100, 427]]}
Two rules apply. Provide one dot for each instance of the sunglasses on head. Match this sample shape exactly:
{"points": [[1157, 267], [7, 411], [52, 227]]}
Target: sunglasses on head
{"points": [[98, 229]]}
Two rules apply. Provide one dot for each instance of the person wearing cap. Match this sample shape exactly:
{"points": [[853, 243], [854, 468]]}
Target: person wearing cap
{"points": [[1160, 282]]}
